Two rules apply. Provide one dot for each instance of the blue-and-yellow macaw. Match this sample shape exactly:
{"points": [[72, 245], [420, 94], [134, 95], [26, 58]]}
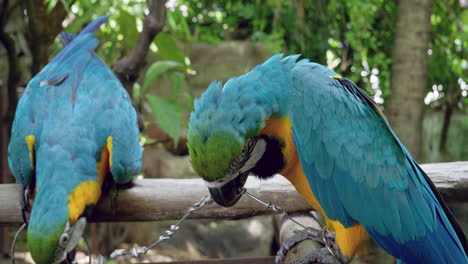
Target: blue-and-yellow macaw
{"points": [[329, 139], [74, 128]]}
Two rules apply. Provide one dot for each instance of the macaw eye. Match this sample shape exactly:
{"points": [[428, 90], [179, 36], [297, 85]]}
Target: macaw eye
{"points": [[64, 239]]}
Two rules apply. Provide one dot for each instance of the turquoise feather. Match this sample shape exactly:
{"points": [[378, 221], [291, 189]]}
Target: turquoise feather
{"points": [[71, 107], [355, 165]]}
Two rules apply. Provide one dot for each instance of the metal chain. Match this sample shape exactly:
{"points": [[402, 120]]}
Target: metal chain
{"points": [[278, 209], [136, 252], [310, 231], [13, 244]]}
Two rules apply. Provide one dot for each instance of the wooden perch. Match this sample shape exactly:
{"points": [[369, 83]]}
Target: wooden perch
{"points": [[168, 199]]}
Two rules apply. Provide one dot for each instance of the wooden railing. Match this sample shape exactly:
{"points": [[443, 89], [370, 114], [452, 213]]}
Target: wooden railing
{"points": [[168, 199]]}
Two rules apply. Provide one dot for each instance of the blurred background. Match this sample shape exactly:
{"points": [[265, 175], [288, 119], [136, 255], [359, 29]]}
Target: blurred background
{"points": [[410, 56]]}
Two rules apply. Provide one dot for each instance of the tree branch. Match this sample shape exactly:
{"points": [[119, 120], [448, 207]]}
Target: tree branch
{"points": [[8, 95], [13, 75], [43, 28], [128, 68]]}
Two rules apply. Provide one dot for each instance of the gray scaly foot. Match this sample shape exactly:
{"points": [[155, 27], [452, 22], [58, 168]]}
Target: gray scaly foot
{"points": [[328, 254]]}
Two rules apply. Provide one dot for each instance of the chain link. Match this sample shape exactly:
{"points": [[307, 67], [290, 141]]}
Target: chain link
{"points": [[136, 252], [278, 209], [13, 244], [206, 200], [310, 231]]}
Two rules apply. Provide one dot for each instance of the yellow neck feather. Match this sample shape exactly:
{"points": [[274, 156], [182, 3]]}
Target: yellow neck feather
{"points": [[89, 192], [351, 239]]}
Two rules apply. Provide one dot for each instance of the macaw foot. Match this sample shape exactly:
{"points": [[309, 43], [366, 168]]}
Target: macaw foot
{"points": [[319, 256], [25, 204], [328, 254]]}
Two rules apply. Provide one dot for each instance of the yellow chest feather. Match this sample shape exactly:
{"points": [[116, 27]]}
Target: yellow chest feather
{"points": [[350, 240]]}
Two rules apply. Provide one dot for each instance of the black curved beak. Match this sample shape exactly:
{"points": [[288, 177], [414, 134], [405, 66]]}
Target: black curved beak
{"points": [[228, 194], [70, 257]]}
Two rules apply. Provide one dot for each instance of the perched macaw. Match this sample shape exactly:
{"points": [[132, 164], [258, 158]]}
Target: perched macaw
{"points": [[75, 128], [329, 139]]}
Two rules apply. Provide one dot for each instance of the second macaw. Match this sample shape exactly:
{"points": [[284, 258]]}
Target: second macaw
{"points": [[74, 128], [329, 139]]}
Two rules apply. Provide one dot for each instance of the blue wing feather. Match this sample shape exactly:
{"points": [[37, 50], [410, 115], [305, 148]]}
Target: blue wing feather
{"points": [[360, 171], [18, 153], [71, 107]]}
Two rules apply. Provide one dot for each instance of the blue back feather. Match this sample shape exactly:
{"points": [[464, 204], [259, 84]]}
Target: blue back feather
{"points": [[360, 171], [242, 100], [71, 107], [355, 165]]}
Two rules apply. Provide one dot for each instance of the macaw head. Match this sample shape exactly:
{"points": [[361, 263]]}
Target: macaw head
{"points": [[52, 237], [224, 161], [224, 133]]}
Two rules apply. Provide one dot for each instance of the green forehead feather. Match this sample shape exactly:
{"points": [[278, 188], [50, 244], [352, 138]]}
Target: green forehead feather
{"points": [[211, 159]]}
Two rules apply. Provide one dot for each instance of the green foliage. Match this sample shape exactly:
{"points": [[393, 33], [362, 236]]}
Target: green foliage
{"points": [[178, 25], [52, 3], [155, 70], [128, 26], [449, 49], [353, 37], [169, 50], [168, 114]]}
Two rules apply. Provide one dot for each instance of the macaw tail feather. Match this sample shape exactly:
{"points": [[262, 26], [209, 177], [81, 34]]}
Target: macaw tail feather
{"points": [[437, 246], [66, 38]]}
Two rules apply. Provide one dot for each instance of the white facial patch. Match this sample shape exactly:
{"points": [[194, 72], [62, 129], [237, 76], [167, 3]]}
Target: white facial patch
{"points": [[253, 157], [220, 182], [75, 236]]}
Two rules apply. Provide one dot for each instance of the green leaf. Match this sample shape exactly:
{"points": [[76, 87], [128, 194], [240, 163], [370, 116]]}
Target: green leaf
{"points": [[66, 5], [155, 70], [136, 91], [189, 101], [168, 114], [176, 83], [168, 49], [128, 28], [51, 4]]}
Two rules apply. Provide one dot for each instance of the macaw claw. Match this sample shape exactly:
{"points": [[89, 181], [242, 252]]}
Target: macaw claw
{"points": [[319, 256], [328, 254], [25, 204]]}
